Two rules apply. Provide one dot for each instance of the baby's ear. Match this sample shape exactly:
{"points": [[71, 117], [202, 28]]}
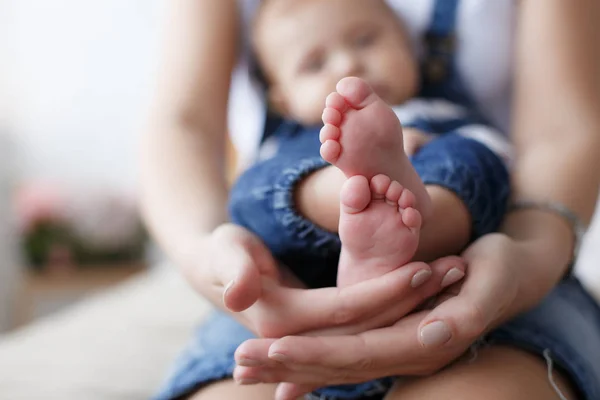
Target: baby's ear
{"points": [[277, 100]]}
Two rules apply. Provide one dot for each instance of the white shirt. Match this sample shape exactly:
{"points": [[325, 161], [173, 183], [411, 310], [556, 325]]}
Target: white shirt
{"points": [[484, 58]]}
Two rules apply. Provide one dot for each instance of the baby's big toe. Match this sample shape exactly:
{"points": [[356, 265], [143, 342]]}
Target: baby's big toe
{"points": [[355, 195], [356, 92]]}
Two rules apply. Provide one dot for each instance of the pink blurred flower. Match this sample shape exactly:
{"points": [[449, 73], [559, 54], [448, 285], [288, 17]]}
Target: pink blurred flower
{"points": [[104, 220], [38, 203]]}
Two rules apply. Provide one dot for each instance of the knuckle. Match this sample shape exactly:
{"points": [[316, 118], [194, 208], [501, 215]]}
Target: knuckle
{"points": [[340, 376], [364, 363], [342, 316], [343, 313]]}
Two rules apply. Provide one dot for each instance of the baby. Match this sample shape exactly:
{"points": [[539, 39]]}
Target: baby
{"points": [[357, 57]]}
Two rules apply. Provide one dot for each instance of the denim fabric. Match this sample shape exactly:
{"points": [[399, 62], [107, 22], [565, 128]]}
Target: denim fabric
{"points": [[262, 201], [572, 341], [567, 325], [472, 171]]}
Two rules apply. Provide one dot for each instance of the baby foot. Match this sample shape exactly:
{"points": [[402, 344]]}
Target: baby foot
{"points": [[362, 136], [379, 228]]}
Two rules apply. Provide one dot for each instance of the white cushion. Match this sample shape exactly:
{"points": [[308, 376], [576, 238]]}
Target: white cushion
{"points": [[117, 345]]}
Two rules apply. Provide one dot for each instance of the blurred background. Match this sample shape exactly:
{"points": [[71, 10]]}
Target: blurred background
{"points": [[75, 79], [77, 272]]}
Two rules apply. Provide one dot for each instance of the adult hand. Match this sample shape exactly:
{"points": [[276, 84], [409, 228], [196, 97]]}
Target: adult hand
{"points": [[419, 344], [242, 277]]}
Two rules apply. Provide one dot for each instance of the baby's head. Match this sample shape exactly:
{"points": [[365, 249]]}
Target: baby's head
{"points": [[304, 47]]}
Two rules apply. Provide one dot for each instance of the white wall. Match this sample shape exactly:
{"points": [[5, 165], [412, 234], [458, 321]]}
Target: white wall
{"points": [[588, 267], [10, 273], [4, 63], [81, 74]]}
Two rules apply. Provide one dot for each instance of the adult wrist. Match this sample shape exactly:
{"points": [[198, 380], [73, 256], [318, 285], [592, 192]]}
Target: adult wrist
{"points": [[558, 210], [548, 236]]}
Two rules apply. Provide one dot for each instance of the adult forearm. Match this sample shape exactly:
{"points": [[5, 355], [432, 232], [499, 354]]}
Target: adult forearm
{"points": [[183, 187], [556, 131], [556, 126], [566, 171], [557, 97]]}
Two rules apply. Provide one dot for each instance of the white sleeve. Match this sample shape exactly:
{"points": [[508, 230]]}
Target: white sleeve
{"points": [[429, 110]]}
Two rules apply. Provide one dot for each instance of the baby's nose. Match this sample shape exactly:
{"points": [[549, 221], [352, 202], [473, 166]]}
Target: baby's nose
{"points": [[349, 65]]}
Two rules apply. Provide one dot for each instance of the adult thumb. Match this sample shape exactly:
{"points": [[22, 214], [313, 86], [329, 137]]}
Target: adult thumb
{"points": [[245, 288], [458, 319]]}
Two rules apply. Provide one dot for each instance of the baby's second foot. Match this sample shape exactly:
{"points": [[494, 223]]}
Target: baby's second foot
{"points": [[362, 136], [379, 228]]}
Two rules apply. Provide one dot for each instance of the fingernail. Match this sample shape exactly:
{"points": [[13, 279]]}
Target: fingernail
{"points": [[282, 358], [247, 362], [229, 285], [420, 278], [453, 276], [248, 381], [435, 334]]}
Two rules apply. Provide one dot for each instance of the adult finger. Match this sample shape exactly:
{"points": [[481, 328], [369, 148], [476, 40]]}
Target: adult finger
{"points": [[310, 378], [445, 272], [242, 282], [380, 348], [254, 352], [252, 358], [318, 308], [239, 266], [254, 365], [350, 359], [255, 375], [485, 294]]}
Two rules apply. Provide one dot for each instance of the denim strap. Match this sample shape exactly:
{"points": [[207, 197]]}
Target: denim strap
{"points": [[444, 17], [440, 43]]}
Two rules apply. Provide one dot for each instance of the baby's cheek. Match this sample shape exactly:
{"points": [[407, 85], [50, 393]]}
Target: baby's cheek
{"points": [[308, 106]]}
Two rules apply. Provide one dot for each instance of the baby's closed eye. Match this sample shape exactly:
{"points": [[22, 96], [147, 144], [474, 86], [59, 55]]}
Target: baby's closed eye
{"points": [[313, 63], [364, 39]]}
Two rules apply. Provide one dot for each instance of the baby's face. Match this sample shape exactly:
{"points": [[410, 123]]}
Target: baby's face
{"points": [[306, 46]]}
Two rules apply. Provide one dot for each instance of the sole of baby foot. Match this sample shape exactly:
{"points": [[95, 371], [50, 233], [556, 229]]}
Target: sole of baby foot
{"points": [[379, 228]]}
